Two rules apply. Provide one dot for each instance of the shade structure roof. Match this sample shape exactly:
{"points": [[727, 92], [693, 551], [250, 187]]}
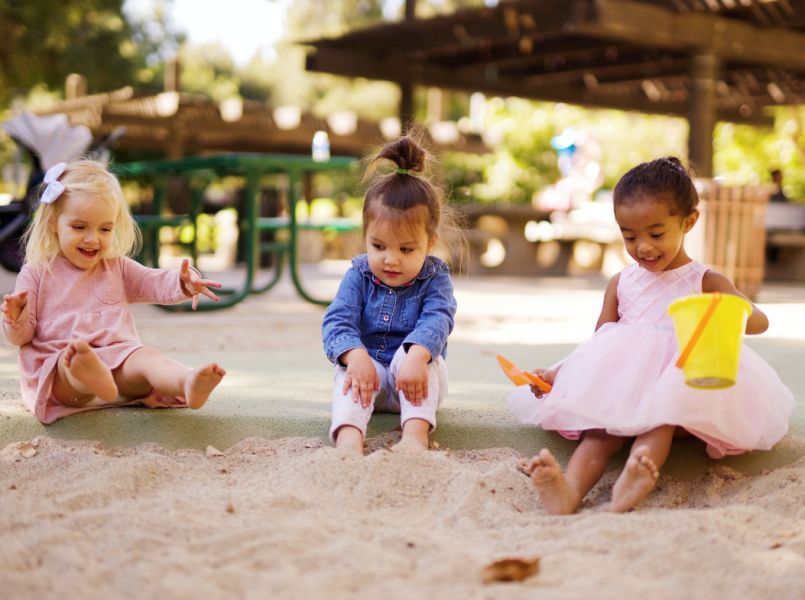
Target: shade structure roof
{"points": [[179, 124], [625, 54]]}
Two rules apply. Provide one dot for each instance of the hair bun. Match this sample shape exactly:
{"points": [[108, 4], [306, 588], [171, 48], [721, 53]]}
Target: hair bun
{"points": [[405, 153]]}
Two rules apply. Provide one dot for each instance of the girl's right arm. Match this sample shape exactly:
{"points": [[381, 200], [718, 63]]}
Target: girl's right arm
{"points": [[609, 314], [19, 316], [609, 310], [340, 328], [341, 335]]}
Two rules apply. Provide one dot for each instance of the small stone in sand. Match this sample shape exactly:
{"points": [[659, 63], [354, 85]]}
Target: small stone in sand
{"points": [[212, 451]]}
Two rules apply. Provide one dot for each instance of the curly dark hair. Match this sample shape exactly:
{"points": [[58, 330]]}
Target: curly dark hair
{"points": [[663, 179]]}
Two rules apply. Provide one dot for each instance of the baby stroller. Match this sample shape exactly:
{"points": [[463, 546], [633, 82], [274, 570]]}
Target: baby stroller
{"points": [[47, 140]]}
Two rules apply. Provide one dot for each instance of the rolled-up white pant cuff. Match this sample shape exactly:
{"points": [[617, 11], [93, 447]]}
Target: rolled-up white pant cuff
{"points": [[345, 411]]}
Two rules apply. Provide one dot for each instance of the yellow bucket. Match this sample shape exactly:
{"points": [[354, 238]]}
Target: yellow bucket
{"points": [[709, 330]]}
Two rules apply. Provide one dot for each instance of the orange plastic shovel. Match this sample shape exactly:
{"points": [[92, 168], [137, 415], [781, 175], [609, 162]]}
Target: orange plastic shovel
{"points": [[520, 377]]}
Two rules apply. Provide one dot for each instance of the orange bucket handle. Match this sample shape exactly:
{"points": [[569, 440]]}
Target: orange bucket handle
{"points": [[697, 333]]}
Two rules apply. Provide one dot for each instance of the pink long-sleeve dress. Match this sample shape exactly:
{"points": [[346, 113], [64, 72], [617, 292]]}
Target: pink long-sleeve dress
{"points": [[66, 304], [623, 380]]}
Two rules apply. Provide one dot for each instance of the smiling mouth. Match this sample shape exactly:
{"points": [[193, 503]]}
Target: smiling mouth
{"points": [[392, 273], [88, 253], [650, 262]]}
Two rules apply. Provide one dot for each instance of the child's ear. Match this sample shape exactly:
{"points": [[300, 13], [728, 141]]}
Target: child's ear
{"points": [[432, 242], [690, 221]]}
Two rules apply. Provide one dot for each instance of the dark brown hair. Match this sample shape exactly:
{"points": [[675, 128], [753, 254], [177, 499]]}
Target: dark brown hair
{"points": [[408, 198], [396, 193], [663, 179]]}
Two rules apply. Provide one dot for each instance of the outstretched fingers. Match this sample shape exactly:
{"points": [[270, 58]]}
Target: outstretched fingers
{"points": [[13, 305]]}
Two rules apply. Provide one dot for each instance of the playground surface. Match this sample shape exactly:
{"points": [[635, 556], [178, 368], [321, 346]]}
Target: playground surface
{"points": [[245, 496]]}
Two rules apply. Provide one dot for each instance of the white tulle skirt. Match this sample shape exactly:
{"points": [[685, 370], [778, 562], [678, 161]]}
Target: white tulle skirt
{"points": [[623, 380]]}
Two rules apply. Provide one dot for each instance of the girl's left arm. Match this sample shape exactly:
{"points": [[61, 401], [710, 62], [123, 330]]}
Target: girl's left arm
{"points": [[712, 281], [154, 286], [436, 317]]}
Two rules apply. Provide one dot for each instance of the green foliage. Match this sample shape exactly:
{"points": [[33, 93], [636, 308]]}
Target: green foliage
{"points": [[746, 155], [44, 41]]}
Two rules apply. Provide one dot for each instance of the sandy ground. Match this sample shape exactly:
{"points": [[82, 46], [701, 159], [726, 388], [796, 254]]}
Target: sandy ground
{"points": [[292, 518]]}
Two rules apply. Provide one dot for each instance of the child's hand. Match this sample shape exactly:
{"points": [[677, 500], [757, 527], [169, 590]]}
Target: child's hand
{"points": [[193, 284], [412, 376], [14, 305], [547, 375], [361, 376]]}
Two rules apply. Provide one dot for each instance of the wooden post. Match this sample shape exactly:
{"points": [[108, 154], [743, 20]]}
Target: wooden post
{"points": [[173, 73], [75, 86], [702, 116], [407, 86]]}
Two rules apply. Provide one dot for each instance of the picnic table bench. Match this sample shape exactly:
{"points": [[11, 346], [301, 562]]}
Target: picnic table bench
{"points": [[202, 170], [533, 241]]}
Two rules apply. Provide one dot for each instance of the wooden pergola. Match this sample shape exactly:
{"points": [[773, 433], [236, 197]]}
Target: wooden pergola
{"points": [[174, 124], [704, 60]]}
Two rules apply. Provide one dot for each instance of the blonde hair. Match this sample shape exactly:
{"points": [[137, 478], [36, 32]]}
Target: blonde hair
{"points": [[89, 178]]}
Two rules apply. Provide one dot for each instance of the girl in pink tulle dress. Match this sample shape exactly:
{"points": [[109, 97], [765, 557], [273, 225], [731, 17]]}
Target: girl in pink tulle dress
{"points": [[79, 349], [622, 383]]}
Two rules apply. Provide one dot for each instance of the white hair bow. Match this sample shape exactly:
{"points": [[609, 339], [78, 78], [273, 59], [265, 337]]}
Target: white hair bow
{"points": [[54, 188]]}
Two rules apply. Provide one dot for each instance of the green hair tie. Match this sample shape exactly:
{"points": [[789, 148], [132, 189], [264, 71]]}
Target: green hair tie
{"points": [[401, 171]]}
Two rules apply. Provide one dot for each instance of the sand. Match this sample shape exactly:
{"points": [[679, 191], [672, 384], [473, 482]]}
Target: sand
{"points": [[292, 518]]}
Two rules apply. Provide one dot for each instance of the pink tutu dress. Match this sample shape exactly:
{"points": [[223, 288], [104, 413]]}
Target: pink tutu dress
{"points": [[623, 379]]}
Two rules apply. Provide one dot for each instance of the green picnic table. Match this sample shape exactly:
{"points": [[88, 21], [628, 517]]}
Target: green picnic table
{"points": [[201, 171]]}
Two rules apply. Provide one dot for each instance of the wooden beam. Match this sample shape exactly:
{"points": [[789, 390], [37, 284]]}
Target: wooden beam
{"points": [[730, 39], [356, 64], [471, 27]]}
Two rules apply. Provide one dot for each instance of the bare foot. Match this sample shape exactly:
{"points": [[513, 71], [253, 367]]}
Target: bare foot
{"points": [[414, 437], [556, 494], [84, 367], [199, 384], [635, 482], [349, 439], [410, 444]]}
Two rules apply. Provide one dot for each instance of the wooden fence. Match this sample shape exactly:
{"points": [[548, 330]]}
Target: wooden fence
{"points": [[730, 236]]}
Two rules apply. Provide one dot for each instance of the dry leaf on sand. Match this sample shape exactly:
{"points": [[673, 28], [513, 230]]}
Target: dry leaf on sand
{"points": [[511, 569]]}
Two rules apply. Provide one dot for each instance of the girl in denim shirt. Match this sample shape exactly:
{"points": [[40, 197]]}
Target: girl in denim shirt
{"points": [[386, 331]]}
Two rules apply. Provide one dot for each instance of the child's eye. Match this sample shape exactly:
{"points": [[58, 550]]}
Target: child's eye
{"points": [[377, 246], [628, 239], [406, 250], [107, 230], [656, 236], [78, 227]]}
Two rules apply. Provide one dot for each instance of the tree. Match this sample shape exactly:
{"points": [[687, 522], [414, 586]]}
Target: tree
{"points": [[44, 41]]}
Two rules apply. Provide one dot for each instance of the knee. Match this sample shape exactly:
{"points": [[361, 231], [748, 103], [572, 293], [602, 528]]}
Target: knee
{"points": [[603, 442], [149, 352]]}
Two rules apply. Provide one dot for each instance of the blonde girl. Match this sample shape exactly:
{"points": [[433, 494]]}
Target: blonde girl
{"points": [[78, 346]]}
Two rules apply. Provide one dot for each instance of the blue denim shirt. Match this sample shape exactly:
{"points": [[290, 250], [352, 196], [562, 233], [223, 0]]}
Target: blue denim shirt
{"points": [[371, 315]]}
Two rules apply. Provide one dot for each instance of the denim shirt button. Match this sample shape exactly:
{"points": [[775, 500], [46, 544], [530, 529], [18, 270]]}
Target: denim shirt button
{"points": [[391, 292], [385, 317], [382, 346]]}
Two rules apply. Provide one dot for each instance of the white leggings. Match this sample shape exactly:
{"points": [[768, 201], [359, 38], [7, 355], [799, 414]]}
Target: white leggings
{"points": [[386, 399]]}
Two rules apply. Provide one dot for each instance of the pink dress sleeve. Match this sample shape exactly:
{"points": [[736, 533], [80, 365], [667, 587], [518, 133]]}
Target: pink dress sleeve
{"points": [[152, 286], [22, 330]]}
